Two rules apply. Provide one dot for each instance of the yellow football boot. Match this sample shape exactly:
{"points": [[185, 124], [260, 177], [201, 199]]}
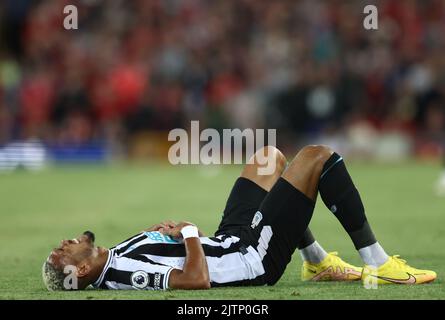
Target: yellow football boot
{"points": [[332, 268], [395, 270]]}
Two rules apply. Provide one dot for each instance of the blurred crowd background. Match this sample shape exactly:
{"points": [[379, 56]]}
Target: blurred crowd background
{"points": [[136, 69]]}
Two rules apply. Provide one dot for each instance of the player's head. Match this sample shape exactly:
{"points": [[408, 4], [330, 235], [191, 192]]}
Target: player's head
{"points": [[75, 257]]}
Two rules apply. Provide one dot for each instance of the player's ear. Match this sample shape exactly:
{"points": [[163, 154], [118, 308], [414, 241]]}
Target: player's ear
{"points": [[83, 269]]}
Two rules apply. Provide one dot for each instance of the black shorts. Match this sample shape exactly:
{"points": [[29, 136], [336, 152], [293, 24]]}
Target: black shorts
{"points": [[272, 222]]}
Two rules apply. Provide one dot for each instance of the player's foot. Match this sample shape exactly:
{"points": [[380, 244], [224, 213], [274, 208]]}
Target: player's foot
{"points": [[395, 270], [332, 268]]}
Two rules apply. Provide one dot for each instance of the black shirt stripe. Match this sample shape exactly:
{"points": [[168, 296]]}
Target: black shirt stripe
{"points": [[142, 258], [166, 250], [124, 277], [132, 242]]}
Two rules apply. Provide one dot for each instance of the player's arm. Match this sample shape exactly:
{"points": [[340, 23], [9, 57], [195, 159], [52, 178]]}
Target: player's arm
{"points": [[195, 273], [165, 225]]}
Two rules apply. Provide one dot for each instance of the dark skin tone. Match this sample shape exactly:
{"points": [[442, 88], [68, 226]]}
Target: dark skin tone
{"points": [[303, 173], [90, 260], [80, 252], [195, 273]]}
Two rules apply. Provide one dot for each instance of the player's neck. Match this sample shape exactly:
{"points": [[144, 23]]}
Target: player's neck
{"points": [[99, 264]]}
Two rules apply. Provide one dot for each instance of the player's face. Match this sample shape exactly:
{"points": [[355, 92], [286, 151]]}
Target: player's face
{"points": [[74, 250]]}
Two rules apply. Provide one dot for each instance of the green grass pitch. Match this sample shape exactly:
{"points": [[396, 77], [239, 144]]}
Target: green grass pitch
{"points": [[37, 210]]}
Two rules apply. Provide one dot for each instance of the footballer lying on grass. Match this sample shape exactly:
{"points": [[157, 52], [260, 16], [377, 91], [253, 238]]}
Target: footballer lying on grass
{"points": [[266, 218]]}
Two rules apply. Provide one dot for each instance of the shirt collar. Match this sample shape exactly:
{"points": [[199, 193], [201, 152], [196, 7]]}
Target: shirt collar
{"points": [[99, 280]]}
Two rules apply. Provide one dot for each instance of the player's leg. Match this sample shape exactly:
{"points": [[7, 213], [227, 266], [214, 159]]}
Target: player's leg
{"points": [[304, 173], [317, 263], [288, 207], [341, 197], [250, 189], [287, 210], [310, 249], [251, 169]]}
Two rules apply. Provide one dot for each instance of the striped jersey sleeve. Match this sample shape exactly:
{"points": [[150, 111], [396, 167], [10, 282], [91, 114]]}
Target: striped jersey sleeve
{"points": [[124, 273]]}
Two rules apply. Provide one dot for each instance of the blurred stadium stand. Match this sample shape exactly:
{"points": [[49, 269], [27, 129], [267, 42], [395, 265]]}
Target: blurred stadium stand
{"points": [[136, 69]]}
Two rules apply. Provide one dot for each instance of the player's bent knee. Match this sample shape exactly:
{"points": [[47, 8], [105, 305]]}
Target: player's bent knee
{"points": [[269, 154], [316, 153], [279, 158], [312, 157]]}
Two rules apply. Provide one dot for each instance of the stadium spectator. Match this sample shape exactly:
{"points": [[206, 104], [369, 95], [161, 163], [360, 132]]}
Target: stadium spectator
{"points": [[305, 67]]}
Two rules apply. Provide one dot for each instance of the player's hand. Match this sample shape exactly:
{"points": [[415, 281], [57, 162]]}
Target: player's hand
{"points": [[175, 232], [165, 225]]}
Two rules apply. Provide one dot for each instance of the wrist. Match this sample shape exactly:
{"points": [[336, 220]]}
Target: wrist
{"points": [[189, 232]]}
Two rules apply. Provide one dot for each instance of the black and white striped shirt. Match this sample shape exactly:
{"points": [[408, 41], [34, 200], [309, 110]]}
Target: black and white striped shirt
{"points": [[146, 260]]}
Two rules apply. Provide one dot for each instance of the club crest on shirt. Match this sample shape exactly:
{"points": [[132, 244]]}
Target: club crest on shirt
{"points": [[140, 279], [256, 219]]}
